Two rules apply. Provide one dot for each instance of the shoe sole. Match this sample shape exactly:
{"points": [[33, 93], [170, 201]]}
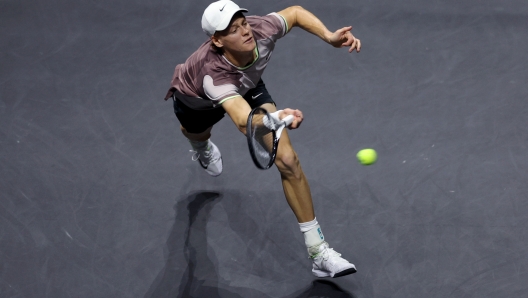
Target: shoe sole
{"points": [[348, 271], [345, 272]]}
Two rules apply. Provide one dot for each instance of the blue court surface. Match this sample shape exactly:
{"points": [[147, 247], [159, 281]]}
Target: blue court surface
{"points": [[99, 196]]}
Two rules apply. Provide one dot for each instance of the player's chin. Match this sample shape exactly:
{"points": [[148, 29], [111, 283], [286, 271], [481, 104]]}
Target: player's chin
{"points": [[249, 48], [249, 45]]}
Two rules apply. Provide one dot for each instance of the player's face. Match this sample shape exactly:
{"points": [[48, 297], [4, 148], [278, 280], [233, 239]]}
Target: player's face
{"points": [[238, 36]]}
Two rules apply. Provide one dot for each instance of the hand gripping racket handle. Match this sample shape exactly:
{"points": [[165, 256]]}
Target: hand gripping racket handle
{"points": [[286, 121]]}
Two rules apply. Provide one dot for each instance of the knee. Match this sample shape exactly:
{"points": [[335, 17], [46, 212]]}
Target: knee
{"points": [[288, 163]]}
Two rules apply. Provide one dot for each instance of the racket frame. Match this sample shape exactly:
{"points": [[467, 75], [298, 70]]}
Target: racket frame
{"points": [[250, 132]]}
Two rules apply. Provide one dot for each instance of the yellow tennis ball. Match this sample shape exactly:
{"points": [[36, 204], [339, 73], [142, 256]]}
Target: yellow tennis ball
{"points": [[367, 156]]}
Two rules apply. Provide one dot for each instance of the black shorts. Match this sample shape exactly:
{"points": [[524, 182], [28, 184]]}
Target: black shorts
{"points": [[197, 121]]}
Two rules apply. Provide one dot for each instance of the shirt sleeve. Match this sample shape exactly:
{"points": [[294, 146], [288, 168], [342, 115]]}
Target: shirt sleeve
{"points": [[271, 26], [219, 94], [283, 24]]}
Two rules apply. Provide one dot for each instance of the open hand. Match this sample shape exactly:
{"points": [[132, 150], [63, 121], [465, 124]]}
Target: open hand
{"points": [[344, 38]]}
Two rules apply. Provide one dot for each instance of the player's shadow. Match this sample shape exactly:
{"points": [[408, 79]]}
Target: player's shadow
{"points": [[200, 278], [323, 288]]}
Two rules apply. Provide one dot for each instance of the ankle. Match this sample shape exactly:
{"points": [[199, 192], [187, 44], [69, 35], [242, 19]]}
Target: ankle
{"points": [[199, 145], [313, 236]]}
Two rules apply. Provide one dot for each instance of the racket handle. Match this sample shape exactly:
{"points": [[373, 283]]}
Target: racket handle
{"points": [[274, 123], [288, 120]]}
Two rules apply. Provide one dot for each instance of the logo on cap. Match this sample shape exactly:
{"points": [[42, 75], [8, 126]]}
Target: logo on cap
{"points": [[221, 9]]}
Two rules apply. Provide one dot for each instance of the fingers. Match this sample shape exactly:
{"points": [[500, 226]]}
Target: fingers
{"points": [[339, 35], [344, 30], [347, 40], [297, 120], [298, 117], [351, 42], [355, 45]]}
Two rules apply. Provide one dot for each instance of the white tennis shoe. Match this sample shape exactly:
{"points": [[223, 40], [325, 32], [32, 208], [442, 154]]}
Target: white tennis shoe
{"points": [[328, 263], [210, 159]]}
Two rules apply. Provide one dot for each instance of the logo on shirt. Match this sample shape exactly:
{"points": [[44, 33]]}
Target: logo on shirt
{"points": [[253, 97]]}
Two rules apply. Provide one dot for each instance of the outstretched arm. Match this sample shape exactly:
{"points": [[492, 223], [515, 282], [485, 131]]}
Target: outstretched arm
{"points": [[296, 16]]}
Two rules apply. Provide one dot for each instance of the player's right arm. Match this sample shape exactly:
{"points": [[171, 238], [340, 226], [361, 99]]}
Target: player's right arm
{"points": [[238, 110]]}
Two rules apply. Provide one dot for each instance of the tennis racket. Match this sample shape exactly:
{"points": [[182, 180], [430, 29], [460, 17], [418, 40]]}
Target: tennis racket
{"points": [[263, 132]]}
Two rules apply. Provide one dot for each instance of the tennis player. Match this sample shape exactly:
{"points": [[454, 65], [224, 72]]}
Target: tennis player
{"points": [[224, 75]]}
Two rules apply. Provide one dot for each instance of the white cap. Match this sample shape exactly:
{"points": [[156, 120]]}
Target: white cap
{"points": [[217, 16]]}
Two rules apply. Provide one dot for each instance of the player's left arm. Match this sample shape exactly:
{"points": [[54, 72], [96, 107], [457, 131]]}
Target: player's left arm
{"points": [[296, 16]]}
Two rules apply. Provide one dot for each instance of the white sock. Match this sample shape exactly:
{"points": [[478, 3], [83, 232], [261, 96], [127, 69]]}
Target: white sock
{"points": [[312, 233], [196, 145]]}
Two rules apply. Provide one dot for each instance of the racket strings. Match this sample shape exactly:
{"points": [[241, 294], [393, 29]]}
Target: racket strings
{"points": [[262, 140]]}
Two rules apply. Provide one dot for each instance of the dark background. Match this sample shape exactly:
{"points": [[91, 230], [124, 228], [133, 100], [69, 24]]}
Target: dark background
{"points": [[99, 196]]}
